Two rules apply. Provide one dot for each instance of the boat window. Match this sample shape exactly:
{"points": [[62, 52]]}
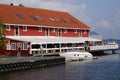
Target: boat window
{"points": [[74, 54], [77, 55]]}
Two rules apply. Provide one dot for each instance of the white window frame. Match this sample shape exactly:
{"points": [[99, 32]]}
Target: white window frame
{"points": [[24, 28], [8, 47], [65, 30], [25, 48], [13, 47], [7, 27], [75, 30], [53, 29], [40, 29], [85, 32]]}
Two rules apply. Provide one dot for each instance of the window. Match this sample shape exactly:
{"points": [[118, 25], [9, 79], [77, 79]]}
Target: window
{"points": [[24, 28], [20, 16], [39, 29], [40, 18], [53, 29], [13, 46], [52, 19], [85, 32], [7, 27], [75, 31], [34, 18], [65, 30], [8, 47], [25, 46]]}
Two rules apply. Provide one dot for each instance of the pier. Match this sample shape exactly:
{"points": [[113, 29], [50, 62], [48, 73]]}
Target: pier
{"points": [[21, 63]]}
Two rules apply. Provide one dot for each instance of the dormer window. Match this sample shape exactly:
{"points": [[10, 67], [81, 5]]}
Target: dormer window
{"points": [[7, 27], [34, 18], [40, 18], [20, 16], [52, 19], [24, 28]]}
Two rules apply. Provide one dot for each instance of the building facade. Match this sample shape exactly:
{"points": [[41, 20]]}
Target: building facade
{"points": [[29, 26]]}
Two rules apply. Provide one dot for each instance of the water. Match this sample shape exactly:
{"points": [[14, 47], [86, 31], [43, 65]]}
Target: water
{"points": [[105, 68]]}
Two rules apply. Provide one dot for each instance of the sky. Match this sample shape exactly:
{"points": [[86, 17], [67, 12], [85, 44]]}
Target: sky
{"points": [[103, 16]]}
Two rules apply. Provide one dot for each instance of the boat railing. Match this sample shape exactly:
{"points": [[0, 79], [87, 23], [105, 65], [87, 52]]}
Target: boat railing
{"points": [[104, 47]]}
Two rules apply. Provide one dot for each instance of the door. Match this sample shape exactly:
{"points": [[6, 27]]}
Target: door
{"points": [[16, 31], [47, 32], [59, 33]]}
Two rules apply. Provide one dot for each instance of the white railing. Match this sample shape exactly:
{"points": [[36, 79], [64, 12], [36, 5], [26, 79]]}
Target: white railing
{"points": [[53, 50], [104, 47]]}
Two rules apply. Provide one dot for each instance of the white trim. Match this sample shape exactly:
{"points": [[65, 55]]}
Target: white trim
{"points": [[47, 32], [65, 30], [8, 46], [15, 31], [8, 27], [24, 28], [51, 39], [47, 26], [13, 47], [75, 31], [85, 32], [25, 46], [40, 29], [53, 29]]}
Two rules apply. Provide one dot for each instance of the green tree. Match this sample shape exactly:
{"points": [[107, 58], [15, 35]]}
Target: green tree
{"points": [[2, 35]]}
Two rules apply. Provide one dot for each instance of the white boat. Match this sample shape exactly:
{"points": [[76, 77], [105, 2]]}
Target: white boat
{"points": [[76, 55]]}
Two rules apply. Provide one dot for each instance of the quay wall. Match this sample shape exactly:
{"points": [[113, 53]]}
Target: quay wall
{"points": [[22, 63]]}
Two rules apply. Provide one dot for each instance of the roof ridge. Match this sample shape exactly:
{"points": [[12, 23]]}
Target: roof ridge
{"points": [[36, 8]]}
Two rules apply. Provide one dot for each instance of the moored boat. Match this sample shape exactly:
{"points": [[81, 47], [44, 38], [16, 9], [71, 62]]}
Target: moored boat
{"points": [[76, 55]]}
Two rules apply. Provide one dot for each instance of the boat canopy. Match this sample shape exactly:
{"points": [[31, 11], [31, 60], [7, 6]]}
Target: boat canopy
{"points": [[50, 39]]}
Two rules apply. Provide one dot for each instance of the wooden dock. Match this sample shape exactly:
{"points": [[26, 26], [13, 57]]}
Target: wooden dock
{"points": [[20, 63]]}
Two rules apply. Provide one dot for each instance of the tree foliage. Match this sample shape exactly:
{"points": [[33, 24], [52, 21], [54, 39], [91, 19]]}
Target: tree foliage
{"points": [[2, 34]]}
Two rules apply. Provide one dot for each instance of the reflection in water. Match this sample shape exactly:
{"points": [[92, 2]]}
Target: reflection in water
{"points": [[104, 68]]}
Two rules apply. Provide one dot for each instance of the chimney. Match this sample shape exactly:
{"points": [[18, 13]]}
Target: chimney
{"points": [[12, 4], [21, 5]]}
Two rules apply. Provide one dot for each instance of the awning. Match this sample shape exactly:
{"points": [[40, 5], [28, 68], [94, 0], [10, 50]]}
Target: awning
{"points": [[50, 39]]}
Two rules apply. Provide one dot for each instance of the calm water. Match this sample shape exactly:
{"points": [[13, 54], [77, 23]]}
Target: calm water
{"points": [[104, 68]]}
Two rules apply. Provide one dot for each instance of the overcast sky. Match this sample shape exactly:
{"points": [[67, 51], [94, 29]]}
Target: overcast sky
{"points": [[103, 16]]}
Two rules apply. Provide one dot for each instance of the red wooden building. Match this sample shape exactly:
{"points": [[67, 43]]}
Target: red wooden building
{"points": [[26, 26]]}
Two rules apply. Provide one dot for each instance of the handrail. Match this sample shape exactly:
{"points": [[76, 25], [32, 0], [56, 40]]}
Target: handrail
{"points": [[104, 47]]}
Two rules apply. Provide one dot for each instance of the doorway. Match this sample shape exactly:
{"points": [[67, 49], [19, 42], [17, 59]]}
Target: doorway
{"points": [[16, 30]]}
